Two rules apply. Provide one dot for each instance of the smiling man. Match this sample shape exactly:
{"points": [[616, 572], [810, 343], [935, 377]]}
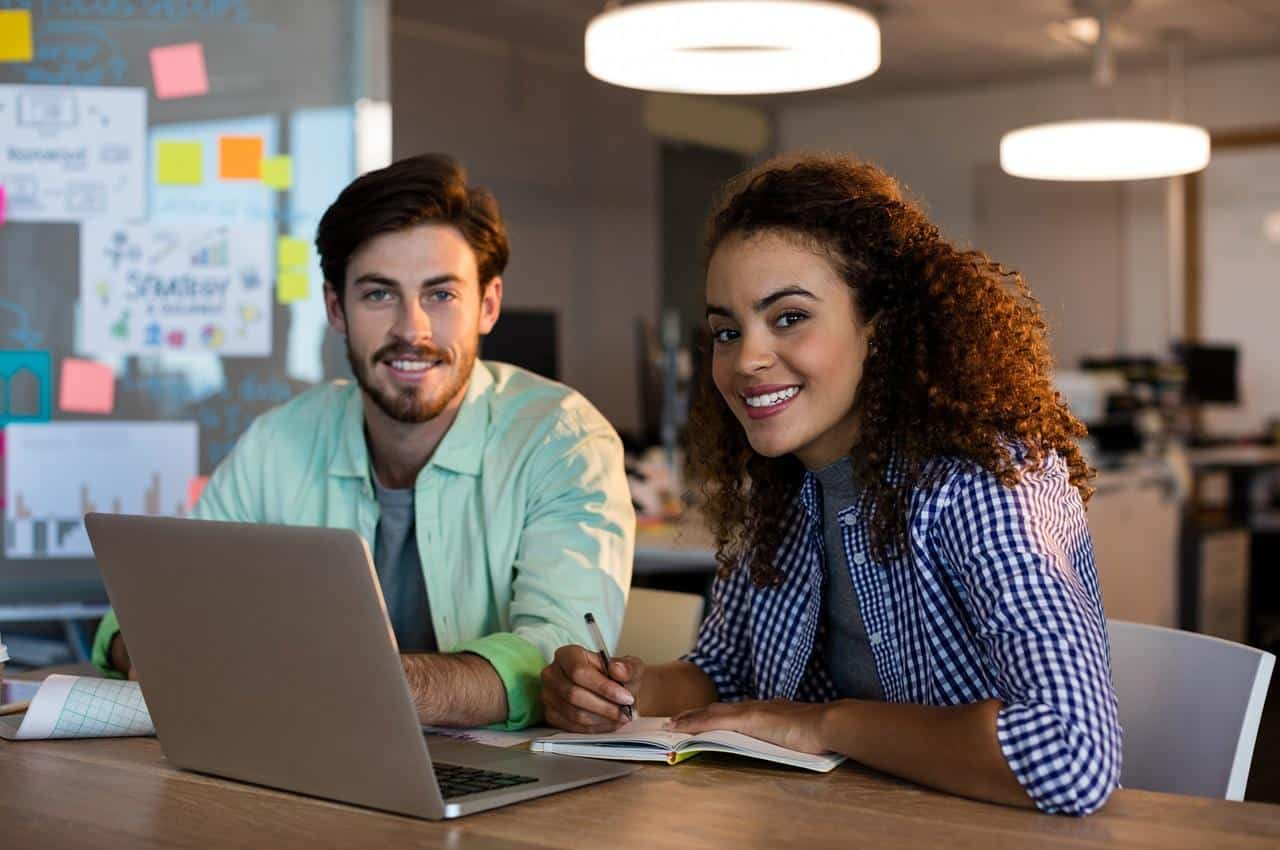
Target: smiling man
{"points": [[495, 501]]}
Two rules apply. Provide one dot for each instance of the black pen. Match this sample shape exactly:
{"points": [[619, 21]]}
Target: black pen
{"points": [[604, 655]]}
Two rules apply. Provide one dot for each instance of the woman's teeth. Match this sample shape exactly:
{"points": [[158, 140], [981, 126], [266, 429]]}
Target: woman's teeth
{"points": [[770, 399]]}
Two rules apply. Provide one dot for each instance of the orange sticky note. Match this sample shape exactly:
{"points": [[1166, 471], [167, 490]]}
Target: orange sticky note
{"points": [[292, 286], [177, 70], [240, 157], [86, 387], [15, 35], [194, 488]]}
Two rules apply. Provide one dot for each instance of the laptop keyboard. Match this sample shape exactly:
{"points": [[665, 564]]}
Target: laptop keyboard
{"points": [[457, 781]]}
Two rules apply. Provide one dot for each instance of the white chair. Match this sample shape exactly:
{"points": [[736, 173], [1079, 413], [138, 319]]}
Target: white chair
{"points": [[1190, 706], [659, 625]]}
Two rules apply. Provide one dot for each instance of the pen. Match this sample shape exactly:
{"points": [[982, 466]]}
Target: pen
{"points": [[604, 655], [14, 707]]}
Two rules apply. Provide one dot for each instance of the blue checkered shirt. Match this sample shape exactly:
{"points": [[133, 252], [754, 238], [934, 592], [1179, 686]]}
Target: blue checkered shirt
{"points": [[998, 598]]}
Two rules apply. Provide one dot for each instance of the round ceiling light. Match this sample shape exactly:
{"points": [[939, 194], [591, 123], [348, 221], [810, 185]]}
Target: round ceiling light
{"points": [[1104, 150], [732, 46]]}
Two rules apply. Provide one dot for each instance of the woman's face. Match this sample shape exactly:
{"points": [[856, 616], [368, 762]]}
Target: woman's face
{"points": [[789, 347]]}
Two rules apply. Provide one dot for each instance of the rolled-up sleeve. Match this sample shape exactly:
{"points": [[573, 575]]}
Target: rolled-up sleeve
{"points": [[574, 556], [723, 648], [1025, 561]]}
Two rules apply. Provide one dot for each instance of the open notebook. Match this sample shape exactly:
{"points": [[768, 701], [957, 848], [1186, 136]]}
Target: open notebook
{"points": [[644, 739]]}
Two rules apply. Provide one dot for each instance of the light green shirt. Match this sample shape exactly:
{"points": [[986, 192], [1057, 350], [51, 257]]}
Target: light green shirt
{"points": [[523, 514]]}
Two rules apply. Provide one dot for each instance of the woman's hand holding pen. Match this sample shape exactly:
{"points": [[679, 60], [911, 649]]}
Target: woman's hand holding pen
{"points": [[579, 697]]}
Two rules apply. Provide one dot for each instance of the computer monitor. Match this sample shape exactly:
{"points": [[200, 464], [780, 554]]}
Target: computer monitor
{"points": [[1212, 373], [525, 338]]}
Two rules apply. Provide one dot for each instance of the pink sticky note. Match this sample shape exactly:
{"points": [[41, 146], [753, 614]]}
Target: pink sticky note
{"points": [[1, 206], [177, 70], [86, 387], [194, 488]]}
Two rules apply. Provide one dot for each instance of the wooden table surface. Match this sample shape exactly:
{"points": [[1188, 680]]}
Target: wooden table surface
{"points": [[121, 793]]}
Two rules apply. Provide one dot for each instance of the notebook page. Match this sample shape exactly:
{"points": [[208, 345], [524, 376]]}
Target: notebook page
{"points": [[642, 730], [81, 707]]}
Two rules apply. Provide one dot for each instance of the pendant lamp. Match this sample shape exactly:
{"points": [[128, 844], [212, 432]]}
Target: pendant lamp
{"points": [[1106, 148], [732, 46]]}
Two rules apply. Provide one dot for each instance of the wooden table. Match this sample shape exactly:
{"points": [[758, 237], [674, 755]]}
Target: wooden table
{"points": [[120, 793]]}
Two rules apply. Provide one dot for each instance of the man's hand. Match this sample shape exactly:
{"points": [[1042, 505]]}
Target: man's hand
{"points": [[794, 725], [577, 696], [118, 654]]}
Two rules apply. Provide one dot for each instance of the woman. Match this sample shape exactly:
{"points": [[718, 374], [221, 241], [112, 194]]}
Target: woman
{"points": [[906, 575]]}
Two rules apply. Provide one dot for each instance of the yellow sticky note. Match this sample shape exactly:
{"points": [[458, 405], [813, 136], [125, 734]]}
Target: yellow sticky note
{"points": [[291, 253], [15, 35], [292, 286], [277, 172], [179, 163]]}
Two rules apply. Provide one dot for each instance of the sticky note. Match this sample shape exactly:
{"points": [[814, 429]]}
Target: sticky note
{"points": [[179, 163], [277, 171], [1, 206], [292, 286], [86, 387], [240, 157], [290, 252], [15, 35], [177, 70], [194, 488]]}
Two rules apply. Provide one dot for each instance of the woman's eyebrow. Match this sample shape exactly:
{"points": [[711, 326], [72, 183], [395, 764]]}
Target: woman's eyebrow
{"points": [[765, 302]]}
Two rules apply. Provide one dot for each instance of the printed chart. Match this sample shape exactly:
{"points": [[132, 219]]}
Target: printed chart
{"points": [[58, 471]]}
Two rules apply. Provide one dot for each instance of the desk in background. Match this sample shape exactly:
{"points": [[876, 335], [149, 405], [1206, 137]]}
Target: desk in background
{"points": [[1217, 586]]}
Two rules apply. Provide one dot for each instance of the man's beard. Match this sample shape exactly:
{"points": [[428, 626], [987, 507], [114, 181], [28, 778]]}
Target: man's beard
{"points": [[406, 405]]}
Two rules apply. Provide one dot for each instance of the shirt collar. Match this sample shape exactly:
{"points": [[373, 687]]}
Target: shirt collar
{"points": [[462, 448], [460, 451], [809, 498]]}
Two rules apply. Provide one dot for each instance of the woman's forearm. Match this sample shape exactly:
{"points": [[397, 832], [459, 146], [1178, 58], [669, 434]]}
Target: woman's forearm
{"points": [[669, 689], [951, 748]]}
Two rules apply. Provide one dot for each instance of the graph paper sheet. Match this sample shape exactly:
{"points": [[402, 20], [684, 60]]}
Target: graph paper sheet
{"points": [[78, 707]]}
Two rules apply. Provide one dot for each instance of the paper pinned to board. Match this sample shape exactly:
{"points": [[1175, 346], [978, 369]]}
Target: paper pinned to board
{"points": [[81, 707], [73, 153]]}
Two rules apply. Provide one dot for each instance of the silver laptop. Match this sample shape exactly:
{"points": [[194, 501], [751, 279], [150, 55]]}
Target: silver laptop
{"points": [[265, 655]]}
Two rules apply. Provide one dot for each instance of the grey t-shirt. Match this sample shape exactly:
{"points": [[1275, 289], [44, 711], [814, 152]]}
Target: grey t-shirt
{"points": [[395, 555], [845, 646]]}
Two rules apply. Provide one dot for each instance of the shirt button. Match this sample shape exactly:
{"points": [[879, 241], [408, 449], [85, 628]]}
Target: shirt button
{"points": [[848, 520], [875, 639], [859, 558]]}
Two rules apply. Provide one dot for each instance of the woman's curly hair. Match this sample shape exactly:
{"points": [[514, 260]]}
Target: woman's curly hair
{"points": [[958, 363]]}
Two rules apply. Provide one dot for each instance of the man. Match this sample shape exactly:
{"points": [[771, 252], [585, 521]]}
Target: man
{"points": [[495, 501]]}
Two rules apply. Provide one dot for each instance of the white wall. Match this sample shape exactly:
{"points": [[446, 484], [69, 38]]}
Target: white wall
{"points": [[576, 173], [936, 143]]}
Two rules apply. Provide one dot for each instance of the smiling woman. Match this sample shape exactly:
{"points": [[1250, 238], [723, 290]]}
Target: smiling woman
{"points": [[906, 575]]}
